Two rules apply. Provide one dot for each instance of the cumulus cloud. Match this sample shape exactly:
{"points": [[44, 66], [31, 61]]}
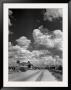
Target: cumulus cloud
{"points": [[36, 57], [48, 60], [26, 55], [50, 41], [58, 60], [18, 53], [10, 47], [23, 42], [58, 39], [51, 14], [54, 40], [36, 53], [11, 54], [9, 21], [10, 12], [9, 44], [39, 53]]}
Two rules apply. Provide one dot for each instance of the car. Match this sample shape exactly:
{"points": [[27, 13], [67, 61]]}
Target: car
{"points": [[23, 68]]}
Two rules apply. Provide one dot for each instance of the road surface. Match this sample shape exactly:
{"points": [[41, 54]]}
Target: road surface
{"points": [[32, 75]]}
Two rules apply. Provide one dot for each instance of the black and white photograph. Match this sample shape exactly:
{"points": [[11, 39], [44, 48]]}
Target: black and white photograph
{"points": [[35, 37]]}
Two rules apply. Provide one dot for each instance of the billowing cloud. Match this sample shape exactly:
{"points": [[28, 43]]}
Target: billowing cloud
{"points": [[36, 57], [58, 39], [51, 14], [58, 60], [9, 21], [9, 44], [39, 53], [54, 40], [10, 12], [23, 42], [50, 41], [48, 60]]}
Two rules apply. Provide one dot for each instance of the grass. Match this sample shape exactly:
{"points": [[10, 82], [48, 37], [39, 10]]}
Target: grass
{"points": [[58, 75]]}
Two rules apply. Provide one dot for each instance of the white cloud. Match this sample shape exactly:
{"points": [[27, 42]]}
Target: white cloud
{"points": [[51, 14], [57, 33], [38, 53], [48, 60], [10, 47], [58, 60], [54, 40], [37, 57], [10, 12], [58, 39], [9, 44], [11, 54], [9, 21], [23, 42], [19, 53]]}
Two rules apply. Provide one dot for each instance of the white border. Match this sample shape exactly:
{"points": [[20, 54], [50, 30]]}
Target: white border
{"points": [[63, 83]]}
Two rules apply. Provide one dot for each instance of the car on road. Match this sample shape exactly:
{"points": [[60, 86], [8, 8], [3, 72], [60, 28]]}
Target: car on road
{"points": [[23, 68]]}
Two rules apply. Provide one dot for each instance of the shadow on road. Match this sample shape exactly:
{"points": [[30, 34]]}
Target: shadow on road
{"points": [[26, 78], [40, 77]]}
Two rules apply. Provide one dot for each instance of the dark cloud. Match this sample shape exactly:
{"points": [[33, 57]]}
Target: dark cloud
{"points": [[51, 14]]}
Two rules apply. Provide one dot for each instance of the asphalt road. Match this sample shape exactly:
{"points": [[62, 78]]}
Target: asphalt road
{"points": [[32, 75]]}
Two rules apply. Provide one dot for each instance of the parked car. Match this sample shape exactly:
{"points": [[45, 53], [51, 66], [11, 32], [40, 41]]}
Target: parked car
{"points": [[23, 68]]}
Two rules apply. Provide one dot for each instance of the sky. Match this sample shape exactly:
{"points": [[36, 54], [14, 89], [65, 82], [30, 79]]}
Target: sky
{"points": [[36, 35], [24, 21]]}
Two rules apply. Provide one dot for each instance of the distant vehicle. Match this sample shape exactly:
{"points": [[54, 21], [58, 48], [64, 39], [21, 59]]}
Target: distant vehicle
{"points": [[24, 66]]}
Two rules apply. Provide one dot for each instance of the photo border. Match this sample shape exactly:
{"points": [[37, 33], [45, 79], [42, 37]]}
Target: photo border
{"points": [[1, 38], [65, 45]]}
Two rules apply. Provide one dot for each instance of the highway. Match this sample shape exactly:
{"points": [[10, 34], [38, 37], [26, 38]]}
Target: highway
{"points": [[32, 75]]}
